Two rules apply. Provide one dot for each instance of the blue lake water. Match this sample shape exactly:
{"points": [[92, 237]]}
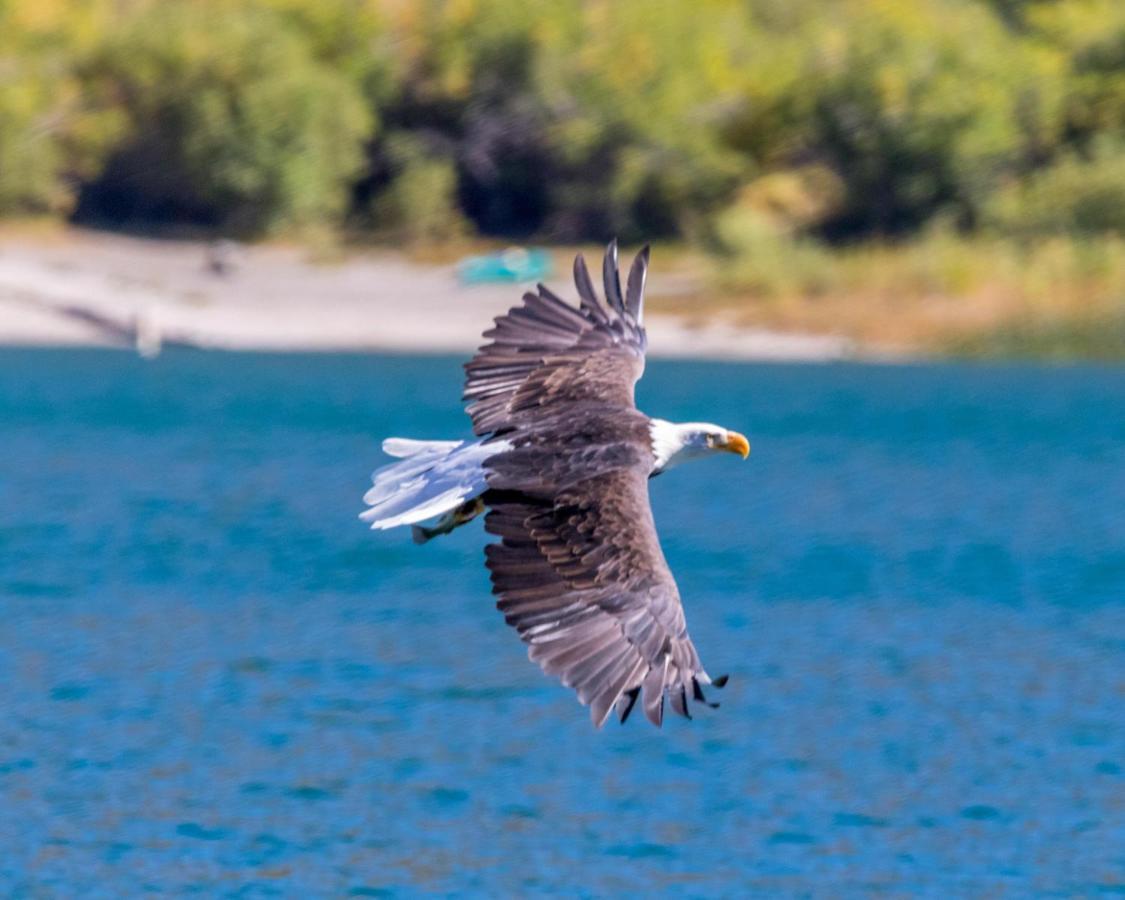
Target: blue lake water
{"points": [[216, 681]]}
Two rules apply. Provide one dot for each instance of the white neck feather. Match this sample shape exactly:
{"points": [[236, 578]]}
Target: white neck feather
{"points": [[674, 443]]}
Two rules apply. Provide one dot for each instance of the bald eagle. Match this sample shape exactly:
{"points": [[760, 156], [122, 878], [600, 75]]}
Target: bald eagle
{"points": [[561, 462]]}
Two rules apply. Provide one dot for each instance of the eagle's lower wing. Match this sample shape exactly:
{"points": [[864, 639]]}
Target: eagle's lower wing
{"points": [[546, 354], [580, 573]]}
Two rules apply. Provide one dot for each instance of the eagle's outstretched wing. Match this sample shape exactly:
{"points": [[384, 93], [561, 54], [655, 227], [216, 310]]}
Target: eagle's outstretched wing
{"points": [[545, 354], [579, 570]]}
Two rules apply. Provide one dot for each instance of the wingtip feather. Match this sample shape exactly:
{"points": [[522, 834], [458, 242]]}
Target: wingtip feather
{"points": [[635, 286], [612, 279]]}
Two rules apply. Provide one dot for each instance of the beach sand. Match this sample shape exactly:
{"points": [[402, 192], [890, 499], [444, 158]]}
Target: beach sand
{"points": [[96, 289]]}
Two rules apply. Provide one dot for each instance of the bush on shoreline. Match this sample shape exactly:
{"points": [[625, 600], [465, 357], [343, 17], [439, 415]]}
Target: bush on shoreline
{"points": [[942, 292]]}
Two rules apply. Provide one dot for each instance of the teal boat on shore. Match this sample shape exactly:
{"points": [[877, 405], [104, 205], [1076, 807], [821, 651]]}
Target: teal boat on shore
{"points": [[515, 264]]}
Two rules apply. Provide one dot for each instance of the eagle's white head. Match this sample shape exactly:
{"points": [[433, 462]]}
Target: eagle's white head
{"points": [[677, 442]]}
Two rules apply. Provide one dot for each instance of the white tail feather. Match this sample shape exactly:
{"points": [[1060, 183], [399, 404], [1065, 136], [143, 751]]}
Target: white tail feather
{"points": [[403, 448], [432, 478]]}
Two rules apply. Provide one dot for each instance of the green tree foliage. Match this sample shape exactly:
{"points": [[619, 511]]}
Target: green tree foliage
{"points": [[1088, 37], [49, 138], [744, 122], [234, 122], [919, 108], [1077, 194], [570, 121], [419, 203]]}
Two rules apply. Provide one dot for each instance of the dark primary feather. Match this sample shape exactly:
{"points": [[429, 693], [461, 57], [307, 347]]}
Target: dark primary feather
{"points": [[611, 279], [635, 287], [579, 571]]}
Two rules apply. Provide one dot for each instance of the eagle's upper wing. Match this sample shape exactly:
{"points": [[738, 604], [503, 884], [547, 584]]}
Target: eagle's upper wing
{"points": [[579, 570], [547, 353]]}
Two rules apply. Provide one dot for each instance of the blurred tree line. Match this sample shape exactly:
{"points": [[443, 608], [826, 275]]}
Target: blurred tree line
{"points": [[729, 123]]}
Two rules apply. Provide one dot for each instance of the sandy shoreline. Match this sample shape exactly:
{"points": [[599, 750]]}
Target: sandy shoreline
{"points": [[93, 289]]}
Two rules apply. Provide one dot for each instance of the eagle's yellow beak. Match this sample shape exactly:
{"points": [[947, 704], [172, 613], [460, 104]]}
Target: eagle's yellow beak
{"points": [[736, 443]]}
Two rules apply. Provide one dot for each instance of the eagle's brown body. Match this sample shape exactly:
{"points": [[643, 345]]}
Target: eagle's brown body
{"points": [[562, 463]]}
